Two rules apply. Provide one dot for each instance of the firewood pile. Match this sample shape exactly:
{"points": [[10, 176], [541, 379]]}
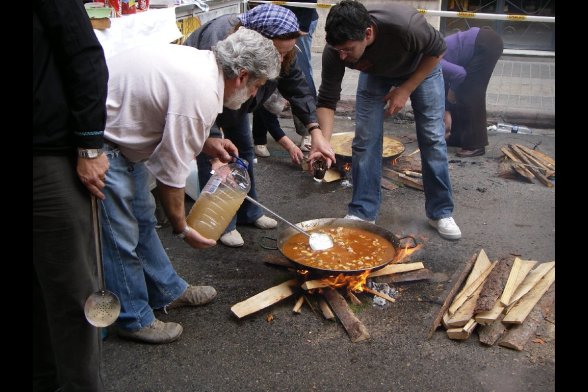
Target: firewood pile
{"points": [[403, 171], [325, 295], [508, 299], [527, 164]]}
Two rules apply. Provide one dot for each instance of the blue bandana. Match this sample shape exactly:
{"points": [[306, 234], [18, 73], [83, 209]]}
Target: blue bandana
{"points": [[270, 20]]}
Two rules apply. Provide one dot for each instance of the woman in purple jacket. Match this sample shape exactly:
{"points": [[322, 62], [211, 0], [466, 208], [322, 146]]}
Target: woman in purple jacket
{"points": [[467, 67]]}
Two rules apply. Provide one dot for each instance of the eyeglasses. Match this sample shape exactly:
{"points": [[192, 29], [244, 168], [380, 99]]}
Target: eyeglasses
{"points": [[345, 50]]}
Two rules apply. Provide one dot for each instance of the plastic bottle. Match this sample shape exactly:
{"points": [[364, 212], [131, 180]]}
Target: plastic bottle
{"points": [[508, 128], [220, 199]]}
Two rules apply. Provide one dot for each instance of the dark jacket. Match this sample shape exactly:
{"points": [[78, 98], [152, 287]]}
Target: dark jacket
{"points": [[69, 79], [304, 15], [292, 86]]}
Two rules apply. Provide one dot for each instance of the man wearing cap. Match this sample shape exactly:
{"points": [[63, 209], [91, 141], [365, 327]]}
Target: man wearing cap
{"points": [[281, 26]]}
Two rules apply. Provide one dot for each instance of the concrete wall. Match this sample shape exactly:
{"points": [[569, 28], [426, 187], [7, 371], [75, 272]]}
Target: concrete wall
{"points": [[318, 41]]}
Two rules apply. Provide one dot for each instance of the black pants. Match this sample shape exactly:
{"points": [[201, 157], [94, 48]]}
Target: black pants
{"points": [[66, 348], [468, 129]]}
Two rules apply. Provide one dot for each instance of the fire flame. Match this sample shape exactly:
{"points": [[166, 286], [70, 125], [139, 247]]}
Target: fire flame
{"points": [[353, 283], [404, 252], [346, 167]]}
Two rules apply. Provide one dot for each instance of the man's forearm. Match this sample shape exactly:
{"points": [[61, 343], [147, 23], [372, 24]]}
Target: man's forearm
{"points": [[326, 118], [172, 200]]}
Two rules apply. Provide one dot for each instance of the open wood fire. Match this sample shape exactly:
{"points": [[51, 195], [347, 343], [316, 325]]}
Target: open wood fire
{"points": [[326, 290]]}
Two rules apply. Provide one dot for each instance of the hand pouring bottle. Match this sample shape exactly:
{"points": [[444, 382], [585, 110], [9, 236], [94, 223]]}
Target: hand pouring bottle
{"points": [[220, 199]]}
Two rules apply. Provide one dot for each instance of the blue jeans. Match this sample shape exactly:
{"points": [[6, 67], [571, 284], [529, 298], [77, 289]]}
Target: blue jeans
{"points": [[240, 135], [136, 267], [428, 103], [303, 56]]}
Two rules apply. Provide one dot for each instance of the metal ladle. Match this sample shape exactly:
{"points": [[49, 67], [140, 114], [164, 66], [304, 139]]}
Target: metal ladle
{"points": [[317, 241], [102, 308]]}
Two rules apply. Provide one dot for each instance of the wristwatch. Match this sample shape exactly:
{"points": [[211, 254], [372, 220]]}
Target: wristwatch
{"points": [[89, 153]]}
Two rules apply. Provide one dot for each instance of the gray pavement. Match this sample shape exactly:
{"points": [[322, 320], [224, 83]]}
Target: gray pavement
{"points": [[521, 91]]}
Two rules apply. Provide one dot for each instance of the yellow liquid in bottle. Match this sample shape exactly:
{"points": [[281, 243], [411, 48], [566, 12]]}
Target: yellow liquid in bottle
{"points": [[212, 212]]}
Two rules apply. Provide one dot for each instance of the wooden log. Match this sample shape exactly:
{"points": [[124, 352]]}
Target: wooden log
{"points": [[397, 268], [413, 174], [326, 310], [536, 163], [355, 329], [518, 313], [264, 299], [546, 160], [314, 284], [494, 284], [403, 179], [517, 165], [519, 335], [378, 294], [411, 276], [387, 184], [531, 280], [544, 180], [489, 334], [458, 277], [298, 305], [469, 290], [353, 298], [510, 287], [465, 312], [462, 333], [481, 265]]}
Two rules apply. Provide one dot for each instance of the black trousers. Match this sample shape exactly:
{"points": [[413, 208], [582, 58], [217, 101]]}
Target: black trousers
{"points": [[468, 115], [66, 348]]}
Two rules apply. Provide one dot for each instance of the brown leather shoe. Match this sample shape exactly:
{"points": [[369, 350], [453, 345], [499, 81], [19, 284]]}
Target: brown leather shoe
{"points": [[465, 153]]}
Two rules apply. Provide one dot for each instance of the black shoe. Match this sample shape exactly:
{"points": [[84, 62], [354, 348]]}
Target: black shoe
{"points": [[465, 153]]}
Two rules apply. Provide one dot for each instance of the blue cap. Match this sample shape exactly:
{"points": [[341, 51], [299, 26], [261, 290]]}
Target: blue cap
{"points": [[270, 20]]}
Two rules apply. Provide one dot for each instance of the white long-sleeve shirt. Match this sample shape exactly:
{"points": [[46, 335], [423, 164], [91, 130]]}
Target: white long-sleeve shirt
{"points": [[162, 101]]}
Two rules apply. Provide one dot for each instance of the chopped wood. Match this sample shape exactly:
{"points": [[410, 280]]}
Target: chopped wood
{"points": [[445, 321], [314, 284], [481, 265], [353, 298], [298, 305], [332, 175], [531, 280], [517, 164], [411, 276], [397, 268], [387, 184], [469, 290], [413, 174], [494, 284], [546, 160], [407, 162], [462, 333], [393, 175], [518, 313], [355, 329], [264, 299], [536, 163], [544, 180], [327, 312], [519, 335], [465, 311], [378, 294], [510, 286], [489, 334], [457, 279]]}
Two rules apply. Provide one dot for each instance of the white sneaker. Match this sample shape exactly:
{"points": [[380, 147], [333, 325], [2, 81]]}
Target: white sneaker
{"points": [[265, 222], [447, 228], [232, 239], [261, 150], [353, 217], [305, 143]]}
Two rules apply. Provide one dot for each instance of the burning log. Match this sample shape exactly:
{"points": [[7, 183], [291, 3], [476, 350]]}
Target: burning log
{"points": [[264, 299], [355, 328], [397, 268], [411, 276]]}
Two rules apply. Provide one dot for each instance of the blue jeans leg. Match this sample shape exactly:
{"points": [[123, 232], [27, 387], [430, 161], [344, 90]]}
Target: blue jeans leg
{"points": [[136, 267], [303, 57], [428, 103], [366, 167], [240, 135]]}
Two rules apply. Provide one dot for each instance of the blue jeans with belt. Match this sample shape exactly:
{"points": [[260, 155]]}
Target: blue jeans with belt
{"points": [[428, 103], [136, 267]]}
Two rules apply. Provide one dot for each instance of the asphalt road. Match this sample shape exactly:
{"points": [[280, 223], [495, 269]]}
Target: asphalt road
{"points": [[304, 352]]}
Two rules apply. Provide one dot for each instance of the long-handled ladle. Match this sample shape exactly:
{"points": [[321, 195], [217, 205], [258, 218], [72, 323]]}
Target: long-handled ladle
{"points": [[317, 241], [102, 307]]}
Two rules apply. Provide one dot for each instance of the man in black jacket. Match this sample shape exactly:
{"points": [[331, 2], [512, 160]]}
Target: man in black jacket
{"points": [[69, 94]]}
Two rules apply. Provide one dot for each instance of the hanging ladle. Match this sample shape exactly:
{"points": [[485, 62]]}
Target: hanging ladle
{"points": [[102, 307], [317, 241]]}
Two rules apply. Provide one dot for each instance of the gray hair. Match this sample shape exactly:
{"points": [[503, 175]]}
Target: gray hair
{"points": [[248, 50]]}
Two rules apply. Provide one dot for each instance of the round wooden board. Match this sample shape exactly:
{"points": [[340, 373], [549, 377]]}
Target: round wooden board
{"points": [[341, 143]]}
